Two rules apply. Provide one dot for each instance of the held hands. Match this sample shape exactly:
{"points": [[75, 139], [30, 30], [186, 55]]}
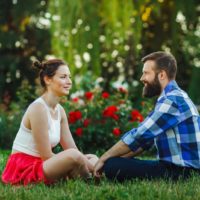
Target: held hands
{"points": [[95, 165], [98, 169], [91, 161], [91, 156]]}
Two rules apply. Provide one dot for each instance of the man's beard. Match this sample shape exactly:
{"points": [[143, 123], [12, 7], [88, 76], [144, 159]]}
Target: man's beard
{"points": [[152, 89]]}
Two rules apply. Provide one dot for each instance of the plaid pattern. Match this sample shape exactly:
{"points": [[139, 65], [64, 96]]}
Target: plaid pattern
{"points": [[173, 126]]}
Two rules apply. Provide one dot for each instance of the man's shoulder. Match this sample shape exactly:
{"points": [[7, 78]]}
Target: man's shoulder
{"points": [[176, 95], [180, 100]]}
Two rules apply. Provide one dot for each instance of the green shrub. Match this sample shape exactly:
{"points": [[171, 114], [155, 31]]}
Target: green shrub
{"points": [[97, 119], [9, 125], [10, 117]]}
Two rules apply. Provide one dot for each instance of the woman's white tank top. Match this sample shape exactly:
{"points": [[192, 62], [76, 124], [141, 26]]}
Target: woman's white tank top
{"points": [[24, 141]]}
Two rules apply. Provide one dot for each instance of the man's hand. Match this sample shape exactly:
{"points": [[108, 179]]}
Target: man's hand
{"points": [[98, 168], [119, 149]]}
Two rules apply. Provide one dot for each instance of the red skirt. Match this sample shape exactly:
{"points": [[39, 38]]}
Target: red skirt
{"points": [[23, 169]]}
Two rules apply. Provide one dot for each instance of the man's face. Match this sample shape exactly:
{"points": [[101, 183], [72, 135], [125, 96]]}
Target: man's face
{"points": [[150, 80]]}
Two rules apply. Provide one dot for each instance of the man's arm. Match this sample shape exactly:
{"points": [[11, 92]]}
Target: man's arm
{"points": [[163, 118], [120, 149], [133, 153]]}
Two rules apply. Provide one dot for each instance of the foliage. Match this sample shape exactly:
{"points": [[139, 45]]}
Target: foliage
{"points": [[110, 37], [10, 118], [102, 37], [9, 125], [98, 118], [107, 38], [24, 36], [192, 54]]}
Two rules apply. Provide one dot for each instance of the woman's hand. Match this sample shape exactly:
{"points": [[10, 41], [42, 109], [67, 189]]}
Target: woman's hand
{"points": [[92, 160], [91, 156]]}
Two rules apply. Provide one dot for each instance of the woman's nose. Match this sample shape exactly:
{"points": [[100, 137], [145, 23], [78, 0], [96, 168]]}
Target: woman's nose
{"points": [[69, 79]]}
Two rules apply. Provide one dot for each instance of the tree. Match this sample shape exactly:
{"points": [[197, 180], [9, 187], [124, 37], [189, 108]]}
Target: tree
{"points": [[108, 38], [24, 36]]}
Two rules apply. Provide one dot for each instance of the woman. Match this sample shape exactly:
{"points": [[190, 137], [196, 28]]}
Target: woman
{"points": [[43, 126]]}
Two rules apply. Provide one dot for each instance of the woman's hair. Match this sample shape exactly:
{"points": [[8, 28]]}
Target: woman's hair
{"points": [[47, 68], [164, 61]]}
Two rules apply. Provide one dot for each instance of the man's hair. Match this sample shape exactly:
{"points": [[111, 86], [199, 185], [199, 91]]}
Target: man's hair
{"points": [[164, 61]]}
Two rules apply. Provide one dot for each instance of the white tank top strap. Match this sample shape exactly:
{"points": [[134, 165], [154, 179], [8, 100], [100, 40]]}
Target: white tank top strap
{"points": [[59, 112], [41, 100]]}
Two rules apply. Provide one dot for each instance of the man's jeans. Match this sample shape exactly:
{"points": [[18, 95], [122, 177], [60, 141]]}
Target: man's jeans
{"points": [[122, 169]]}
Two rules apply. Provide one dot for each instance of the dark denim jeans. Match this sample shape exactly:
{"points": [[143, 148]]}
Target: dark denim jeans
{"points": [[121, 169]]}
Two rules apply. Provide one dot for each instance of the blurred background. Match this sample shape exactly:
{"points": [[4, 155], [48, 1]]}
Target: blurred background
{"points": [[101, 40]]}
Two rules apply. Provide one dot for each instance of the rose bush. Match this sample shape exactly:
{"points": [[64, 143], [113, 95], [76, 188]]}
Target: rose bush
{"points": [[97, 119]]}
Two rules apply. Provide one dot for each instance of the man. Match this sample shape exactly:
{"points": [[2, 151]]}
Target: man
{"points": [[173, 126]]}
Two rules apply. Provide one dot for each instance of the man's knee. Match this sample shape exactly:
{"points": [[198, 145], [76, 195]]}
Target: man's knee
{"points": [[111, 168]]}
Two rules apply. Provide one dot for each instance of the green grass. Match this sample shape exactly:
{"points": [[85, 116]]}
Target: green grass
{"points": [[78, 189]]}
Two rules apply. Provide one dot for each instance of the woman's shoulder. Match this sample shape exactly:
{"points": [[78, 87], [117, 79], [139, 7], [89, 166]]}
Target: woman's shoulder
{"points": [[37, 106]]}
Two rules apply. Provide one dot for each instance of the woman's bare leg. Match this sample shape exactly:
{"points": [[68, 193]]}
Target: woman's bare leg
{"points": [[69, 163]]}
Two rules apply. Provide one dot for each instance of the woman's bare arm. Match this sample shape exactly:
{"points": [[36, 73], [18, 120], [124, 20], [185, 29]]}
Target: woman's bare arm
{"points": [[66, 139], [37, 116]]}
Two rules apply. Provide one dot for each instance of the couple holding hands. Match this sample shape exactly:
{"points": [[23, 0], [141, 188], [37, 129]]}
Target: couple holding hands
{"points": [[173, 127]]}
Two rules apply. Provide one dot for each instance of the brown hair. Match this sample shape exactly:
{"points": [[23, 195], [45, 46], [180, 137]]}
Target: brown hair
{"points": [[164, 61], [47, 68]]}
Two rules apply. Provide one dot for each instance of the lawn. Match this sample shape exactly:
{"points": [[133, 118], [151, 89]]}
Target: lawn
{"points": [[78, 189]]}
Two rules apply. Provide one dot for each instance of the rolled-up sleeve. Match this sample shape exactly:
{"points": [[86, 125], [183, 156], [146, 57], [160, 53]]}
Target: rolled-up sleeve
{"points": [[161, 119]]}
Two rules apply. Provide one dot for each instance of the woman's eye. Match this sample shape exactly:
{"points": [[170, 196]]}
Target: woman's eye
{"points": [[63, 77]]}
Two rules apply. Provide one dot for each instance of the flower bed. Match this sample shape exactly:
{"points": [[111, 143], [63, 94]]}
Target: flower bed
{"points": [[97, 118]]}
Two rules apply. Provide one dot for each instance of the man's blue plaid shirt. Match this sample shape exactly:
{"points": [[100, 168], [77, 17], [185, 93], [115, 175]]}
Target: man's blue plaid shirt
{"points": [[174, 127]]}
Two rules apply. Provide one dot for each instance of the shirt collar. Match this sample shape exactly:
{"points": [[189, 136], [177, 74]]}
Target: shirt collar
{"points": [[169, 87]]}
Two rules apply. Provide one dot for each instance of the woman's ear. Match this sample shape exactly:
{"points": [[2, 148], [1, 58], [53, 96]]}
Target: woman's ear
{"points": [[47, 80]]}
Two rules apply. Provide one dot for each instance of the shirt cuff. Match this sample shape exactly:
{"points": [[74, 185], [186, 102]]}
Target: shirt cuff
{"points": [[129, 139], [133, 143]]}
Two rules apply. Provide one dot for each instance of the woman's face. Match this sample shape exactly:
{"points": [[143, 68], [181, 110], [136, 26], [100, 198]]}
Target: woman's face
{"points": [[60, 83]]}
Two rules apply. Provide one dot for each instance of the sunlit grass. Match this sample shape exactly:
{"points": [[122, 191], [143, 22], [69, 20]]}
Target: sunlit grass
{"points": [[78, 189]]}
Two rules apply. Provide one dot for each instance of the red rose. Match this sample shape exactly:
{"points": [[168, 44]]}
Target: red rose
{"points": [[88, 95], [136, 116], [110, 112], [105, 95], [75, 99], [74, 116], [86, 122], [123, 90], [78, 114], [79, 132], [116, 131]]}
